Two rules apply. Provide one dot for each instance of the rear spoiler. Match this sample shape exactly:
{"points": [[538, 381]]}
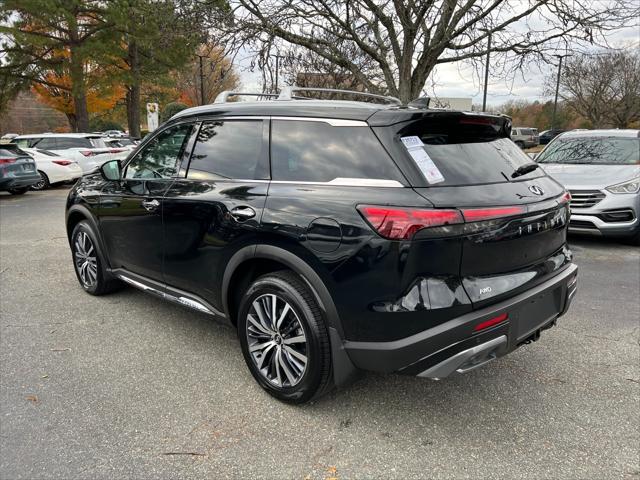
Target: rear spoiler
{"points": [[383, 118]]}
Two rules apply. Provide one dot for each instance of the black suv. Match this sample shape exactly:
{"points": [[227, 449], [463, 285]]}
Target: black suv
{"points": [[335, 236]]}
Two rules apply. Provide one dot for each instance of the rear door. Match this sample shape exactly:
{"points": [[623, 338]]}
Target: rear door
{"points": [[514, 222], [216, 210]]}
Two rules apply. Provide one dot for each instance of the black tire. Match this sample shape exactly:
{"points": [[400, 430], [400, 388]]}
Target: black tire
{"points": [[18, 191], [520, 144], [43, 184], [100, 283], [315, 380]]}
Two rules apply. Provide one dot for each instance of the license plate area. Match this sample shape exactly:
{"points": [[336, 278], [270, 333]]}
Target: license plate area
{"points": [[538, 311]]}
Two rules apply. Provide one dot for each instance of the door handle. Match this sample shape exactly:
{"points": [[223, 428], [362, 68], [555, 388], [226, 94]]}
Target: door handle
{"points": [[150, 205], [243, 213]]}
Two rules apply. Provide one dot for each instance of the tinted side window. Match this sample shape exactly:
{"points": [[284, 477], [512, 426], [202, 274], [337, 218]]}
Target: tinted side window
{"points": [[46, 143], [68, 142], [318, 152], [161, 156], [231, 149]]}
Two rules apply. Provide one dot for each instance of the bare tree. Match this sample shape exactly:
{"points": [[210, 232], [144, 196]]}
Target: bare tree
{"points": [[405, 40], [604, 88]]}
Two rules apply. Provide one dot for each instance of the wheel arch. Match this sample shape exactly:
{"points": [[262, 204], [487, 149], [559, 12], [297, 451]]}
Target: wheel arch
{"points": [[273, 258], [78, 213]]}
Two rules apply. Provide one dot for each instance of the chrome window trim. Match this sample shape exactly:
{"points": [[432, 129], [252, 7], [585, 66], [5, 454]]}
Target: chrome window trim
{"points": [[334, 122], [336, 182]]}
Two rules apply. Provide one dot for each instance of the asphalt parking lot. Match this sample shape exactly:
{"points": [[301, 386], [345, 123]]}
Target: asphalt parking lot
{"points": [[128, 386]]}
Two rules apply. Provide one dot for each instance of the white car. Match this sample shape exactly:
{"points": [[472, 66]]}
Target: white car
{"points": [[89, 150], [53, 168], [119, 143]]}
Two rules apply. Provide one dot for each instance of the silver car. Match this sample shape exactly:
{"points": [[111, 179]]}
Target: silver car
{"points": [[601, 169]]}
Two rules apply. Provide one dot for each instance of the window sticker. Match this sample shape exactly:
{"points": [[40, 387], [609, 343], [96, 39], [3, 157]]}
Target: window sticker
{"points": [[429, 169]]}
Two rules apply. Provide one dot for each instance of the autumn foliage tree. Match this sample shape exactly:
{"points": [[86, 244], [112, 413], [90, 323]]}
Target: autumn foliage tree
{"points": [[36, 31], [56, 90]]}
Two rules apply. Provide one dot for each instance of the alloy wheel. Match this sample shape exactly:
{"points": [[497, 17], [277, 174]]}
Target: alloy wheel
{"points": [[276, 340], [41, 185], [86, 260]]}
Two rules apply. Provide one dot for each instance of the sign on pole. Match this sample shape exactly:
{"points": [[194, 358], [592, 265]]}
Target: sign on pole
{"points": [[152, 116]]}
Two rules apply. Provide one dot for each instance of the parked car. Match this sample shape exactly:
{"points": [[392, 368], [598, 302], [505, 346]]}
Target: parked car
{"points": [[119, 143], [17, 170], [524, 137], [335, 236], [601, 169], [88, 150], [114, 133], [548, 135], [7, 137], [53, 168]]}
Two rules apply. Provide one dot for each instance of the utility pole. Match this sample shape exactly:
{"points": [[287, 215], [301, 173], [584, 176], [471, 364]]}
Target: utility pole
{"points": [[555, 102], [486, 74], [200, 57]]}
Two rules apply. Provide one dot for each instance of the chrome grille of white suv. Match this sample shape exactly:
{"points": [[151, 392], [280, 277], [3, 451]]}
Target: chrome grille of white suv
{"points": [[585, 198]]}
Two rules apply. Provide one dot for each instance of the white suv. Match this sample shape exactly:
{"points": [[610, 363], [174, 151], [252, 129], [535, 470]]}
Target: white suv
{"points": [[89, 150]]}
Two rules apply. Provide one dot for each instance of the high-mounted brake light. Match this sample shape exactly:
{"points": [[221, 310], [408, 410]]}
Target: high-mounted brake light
{"points": [[4, 161], [402, 223], [491, 322], [64, 163], [479, 214]]}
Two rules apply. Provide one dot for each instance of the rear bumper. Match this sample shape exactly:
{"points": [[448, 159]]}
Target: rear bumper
{"points": [[19, 182], [456, 346]]}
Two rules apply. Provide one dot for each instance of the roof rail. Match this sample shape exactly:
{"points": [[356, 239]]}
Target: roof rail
{"points": [[287, 93], [224, 96]]}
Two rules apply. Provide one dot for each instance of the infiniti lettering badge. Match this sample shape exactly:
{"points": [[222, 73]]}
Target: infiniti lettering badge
{"points": [[536, 190]]}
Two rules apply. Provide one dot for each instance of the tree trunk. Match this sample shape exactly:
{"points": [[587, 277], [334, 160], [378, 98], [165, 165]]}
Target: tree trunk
{"points": [[133, 91], [71, 118]]}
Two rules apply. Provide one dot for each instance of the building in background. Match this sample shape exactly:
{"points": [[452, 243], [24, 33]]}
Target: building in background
{"points": [[25, 114]]}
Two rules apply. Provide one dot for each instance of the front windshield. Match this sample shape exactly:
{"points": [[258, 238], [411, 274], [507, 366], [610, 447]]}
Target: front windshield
{"points": [[592, 150]]}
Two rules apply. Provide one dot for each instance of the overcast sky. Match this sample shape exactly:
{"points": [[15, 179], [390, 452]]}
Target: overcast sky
{"points": [[459, 80]]}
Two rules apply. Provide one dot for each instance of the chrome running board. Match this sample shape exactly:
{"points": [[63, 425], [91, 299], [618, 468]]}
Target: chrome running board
{"points": [[171, 294]]}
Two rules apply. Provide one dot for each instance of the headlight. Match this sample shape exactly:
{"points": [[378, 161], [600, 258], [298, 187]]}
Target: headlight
{"points": [[632, 186]]}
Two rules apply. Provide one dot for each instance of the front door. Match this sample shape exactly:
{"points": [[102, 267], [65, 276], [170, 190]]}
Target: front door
{"points": [[131, 210], [216, 209]]}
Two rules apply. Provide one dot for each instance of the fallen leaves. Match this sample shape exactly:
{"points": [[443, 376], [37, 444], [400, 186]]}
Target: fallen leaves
{"points": [[32, 398]]}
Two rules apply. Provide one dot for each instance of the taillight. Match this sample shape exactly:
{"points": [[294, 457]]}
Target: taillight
{"points": [[4, 161], [491, 322], [565, 198], [402, 223], [479, 214], [116, 150], [87, 153], [64, 163]]}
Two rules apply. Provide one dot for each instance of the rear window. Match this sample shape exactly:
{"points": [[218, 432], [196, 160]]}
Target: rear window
{"points": [[464, 151], [9, 152], [97, 142], [592, 150], [310, 151]]}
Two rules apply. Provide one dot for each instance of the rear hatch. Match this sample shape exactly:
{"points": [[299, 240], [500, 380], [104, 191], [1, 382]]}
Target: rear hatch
{"points": [[514, 217], [15, 163]]}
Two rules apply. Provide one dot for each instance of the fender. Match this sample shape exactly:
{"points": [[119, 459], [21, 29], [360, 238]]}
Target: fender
{"points": [[343, 369], [295, 263], [86, 213]]}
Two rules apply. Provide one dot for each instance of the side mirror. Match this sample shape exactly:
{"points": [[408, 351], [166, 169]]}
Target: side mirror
{"points": [[111, 170], [533, 156]]}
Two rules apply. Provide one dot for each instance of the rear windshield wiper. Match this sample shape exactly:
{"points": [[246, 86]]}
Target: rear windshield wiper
{"points": [[524, 169]]}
